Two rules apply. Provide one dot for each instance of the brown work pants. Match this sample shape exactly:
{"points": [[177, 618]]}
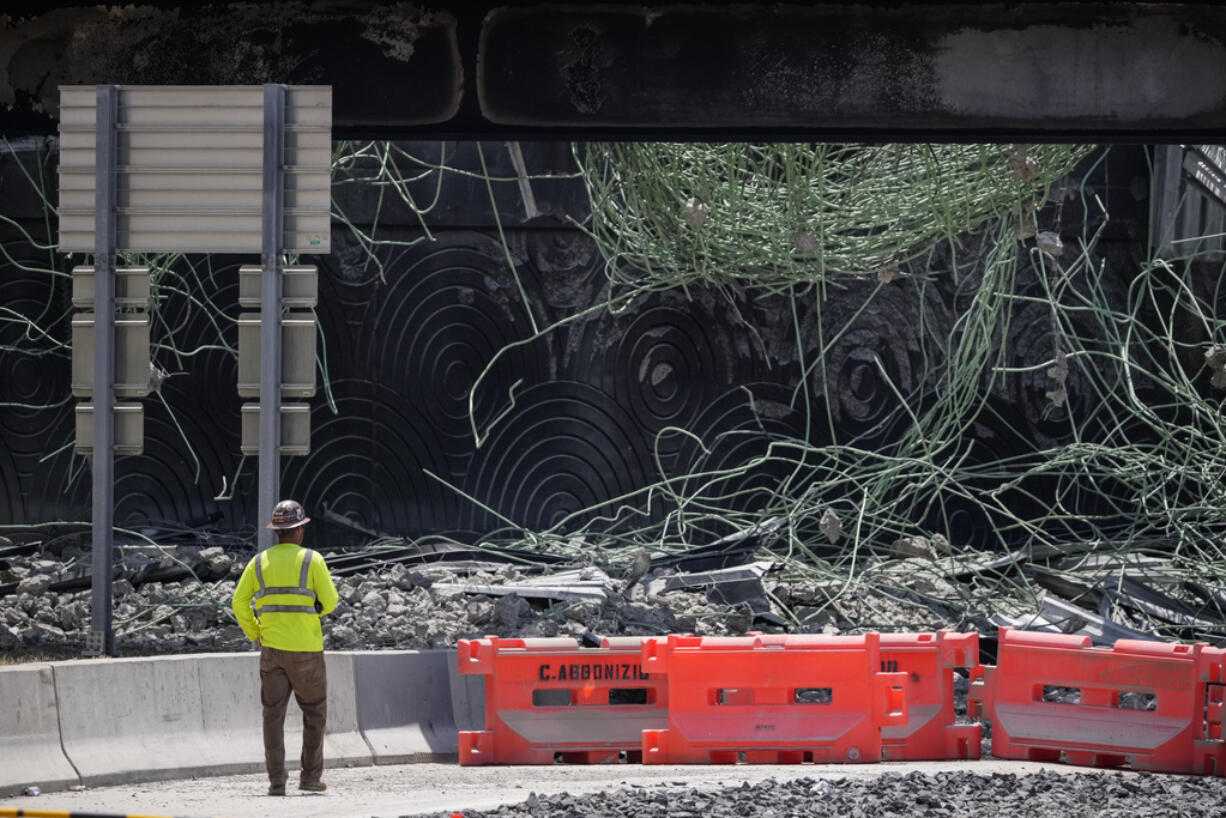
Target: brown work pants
{"points": [[304, 673]]}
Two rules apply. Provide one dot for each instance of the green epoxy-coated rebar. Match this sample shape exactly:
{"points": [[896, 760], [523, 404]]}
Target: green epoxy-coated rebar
{"points": [[796, 222]]}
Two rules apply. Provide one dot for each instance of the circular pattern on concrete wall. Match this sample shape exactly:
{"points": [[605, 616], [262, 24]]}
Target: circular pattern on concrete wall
{"points": [[340, 310], [58, 485], [567, 263], [664, 360], [566, 447], [875, 359], [34, 381], [352, 292], [736, 430], [405, 350], [1033, 344], [161, 486], [993, 438], [955, 505], [448, 309], [965, 522], [36, 407], [368, 464], [33, 392], [199, 314], [12, 509]]}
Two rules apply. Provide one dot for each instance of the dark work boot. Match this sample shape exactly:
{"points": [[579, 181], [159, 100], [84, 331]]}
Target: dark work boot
{"points": [[276, 789], [312, 786]]}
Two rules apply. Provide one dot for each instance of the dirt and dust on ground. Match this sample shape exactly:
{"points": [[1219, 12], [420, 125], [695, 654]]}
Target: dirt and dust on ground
{"points": [[975, 789]]}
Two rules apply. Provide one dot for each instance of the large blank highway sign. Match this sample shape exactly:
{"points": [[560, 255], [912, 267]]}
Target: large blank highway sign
{"points": [[190, 168]]}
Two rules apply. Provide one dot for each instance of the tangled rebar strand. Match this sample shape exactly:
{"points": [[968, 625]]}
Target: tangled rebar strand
{"points": [[787, 221], [776, 215], [1145, 446]]}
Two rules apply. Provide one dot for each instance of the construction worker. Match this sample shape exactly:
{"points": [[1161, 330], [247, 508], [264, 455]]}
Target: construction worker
{"points": [[278, 601]]}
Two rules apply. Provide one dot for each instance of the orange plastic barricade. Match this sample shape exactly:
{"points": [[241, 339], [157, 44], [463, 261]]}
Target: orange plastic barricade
{"points": [[1149, 705], [549, 699], [929, 659], [775, 699]]}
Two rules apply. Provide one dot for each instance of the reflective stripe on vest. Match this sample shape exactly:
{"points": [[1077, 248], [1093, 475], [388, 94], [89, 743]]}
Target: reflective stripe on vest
{"points": [[301, 590]]}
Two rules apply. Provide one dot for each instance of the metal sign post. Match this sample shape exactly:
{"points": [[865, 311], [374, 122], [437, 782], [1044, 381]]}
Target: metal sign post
{"points": [[102, 636], [188, 169], [270, 310]]}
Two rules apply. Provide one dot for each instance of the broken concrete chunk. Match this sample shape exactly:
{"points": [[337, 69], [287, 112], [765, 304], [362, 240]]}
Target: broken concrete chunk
{"points": [[589, 583], [343, 635], [917, 546], [49, 632], [417, 578], [374, 601], [213, 563], [745, 592], [34, 584], [639, 567], [737, 573], [831, 525], [510, 610], [1050, 243], [1024, 167]]}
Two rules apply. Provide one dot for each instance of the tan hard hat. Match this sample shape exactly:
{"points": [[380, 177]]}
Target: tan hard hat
{"points": [[288, 514]]}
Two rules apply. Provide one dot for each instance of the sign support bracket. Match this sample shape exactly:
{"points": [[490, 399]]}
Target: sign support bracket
{"points": [[102, 634], [270, 310]]}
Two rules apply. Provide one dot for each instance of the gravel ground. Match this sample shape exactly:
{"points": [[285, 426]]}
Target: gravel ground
{"points": [[892, 794], [977, 788]]}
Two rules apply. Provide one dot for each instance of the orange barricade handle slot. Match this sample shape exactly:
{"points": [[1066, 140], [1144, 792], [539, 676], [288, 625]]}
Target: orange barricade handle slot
{"points": [[654, 655], [930, 730], [890, 703], [1215, 711], [474, 655]]}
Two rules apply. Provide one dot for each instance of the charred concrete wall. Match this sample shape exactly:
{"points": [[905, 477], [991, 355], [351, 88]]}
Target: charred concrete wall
{"points": [[406, 332], [577, 70]]}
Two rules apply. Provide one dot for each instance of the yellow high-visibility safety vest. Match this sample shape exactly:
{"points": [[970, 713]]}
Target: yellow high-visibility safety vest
{"points": [[279, 614], [268, 590]]}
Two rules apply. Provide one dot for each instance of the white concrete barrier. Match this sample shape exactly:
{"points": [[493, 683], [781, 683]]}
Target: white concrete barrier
{"points": [[145, 719], [404, 705], [467, 696], [133, 719], [230, 701], [343, 742], [112, 721], [30, 751], [233, 717]]}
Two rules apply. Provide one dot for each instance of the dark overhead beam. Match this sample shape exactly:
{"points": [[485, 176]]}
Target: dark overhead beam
{"points": [[392, 66], [1033, 68], [1098, 70]]}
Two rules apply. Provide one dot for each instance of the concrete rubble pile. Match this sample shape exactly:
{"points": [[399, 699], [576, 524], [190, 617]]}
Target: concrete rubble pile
{"points": [[391, 607], [176, 598]]}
